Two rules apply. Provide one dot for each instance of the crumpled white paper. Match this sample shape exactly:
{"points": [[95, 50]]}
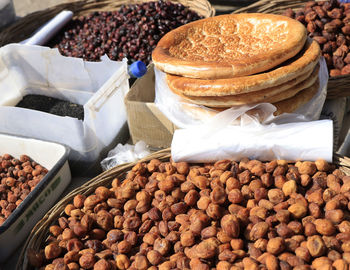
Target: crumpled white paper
{"points": [[125, 153]]}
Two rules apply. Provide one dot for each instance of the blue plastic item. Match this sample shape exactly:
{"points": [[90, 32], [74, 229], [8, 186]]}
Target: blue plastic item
{"points": [[137, 69]]}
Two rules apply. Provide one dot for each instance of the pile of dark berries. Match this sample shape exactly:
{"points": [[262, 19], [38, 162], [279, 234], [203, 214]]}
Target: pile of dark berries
{"points": [[131, 32]]}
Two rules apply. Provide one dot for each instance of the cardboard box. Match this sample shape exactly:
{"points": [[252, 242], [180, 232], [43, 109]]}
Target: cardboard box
{"points": [[145, 121]]}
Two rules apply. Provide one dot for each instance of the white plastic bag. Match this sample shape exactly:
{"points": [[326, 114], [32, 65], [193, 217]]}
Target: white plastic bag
{"points": [[99, 86], [125, 153], [288, 137]]}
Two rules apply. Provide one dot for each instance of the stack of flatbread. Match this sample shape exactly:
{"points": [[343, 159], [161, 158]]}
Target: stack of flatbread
{"points": [[241, 59]]}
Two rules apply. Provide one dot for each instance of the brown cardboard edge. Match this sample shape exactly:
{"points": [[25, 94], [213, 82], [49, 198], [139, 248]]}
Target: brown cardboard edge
{"points": [[146, 122]]}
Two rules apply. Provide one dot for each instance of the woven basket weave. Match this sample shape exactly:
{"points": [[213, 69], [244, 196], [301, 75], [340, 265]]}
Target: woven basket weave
{"points": [[338, 86], [26, 26], [40, 231]]}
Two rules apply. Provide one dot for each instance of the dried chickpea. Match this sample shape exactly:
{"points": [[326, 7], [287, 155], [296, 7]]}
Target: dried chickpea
{"points": [[275, 195], [320, 262], [52, 251], [236, 244], [316, 246], [289, 187], [208, 232], [71, 256], [214, 211], [307, 167], [230, 225], [201, 182], [154, 257], [271, 262], [235, 196], [275, 245], [297, 210], [232, 183], [324, 226], [141, 262], [102, 192], [223, 265], [218, 195], [124, 247], [162, 246], [102, 265], [187, 239], [258, 231], [208, 248], [250, 263], [122, 262], [56, 230], [68, 209], [340, 264], [335, 216]]}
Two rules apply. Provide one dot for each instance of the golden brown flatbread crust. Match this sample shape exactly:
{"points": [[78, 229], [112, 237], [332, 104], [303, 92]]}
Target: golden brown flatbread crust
{"points": [[303, 63], [286, 106], [229, 45], [292, 104], [266, 95]]}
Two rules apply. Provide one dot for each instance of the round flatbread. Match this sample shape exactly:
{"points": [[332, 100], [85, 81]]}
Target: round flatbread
{"points": [[301, 64], [229, 45], [266, 95]]}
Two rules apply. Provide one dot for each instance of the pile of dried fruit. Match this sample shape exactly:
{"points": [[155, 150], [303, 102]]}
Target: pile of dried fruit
{"points": [[131, 32], [18, 178], [328, 22], [227, 215]]}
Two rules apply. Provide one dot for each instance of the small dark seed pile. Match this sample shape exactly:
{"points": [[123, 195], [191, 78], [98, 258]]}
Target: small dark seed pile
{"points": [[52, 105], [131, 32]]}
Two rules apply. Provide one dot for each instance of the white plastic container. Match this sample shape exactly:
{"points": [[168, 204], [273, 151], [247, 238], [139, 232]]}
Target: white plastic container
{"points": [[99, 86], [53, 157]]}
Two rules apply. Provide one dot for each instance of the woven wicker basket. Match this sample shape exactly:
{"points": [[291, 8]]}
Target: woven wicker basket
{"points": [[40, 231], [338, 86], [26, 26]]}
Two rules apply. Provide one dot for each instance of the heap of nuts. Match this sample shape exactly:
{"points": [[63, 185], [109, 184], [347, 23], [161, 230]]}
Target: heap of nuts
{"points": [[18, 178], [227, 215], [131, 32], [328, 22]]}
